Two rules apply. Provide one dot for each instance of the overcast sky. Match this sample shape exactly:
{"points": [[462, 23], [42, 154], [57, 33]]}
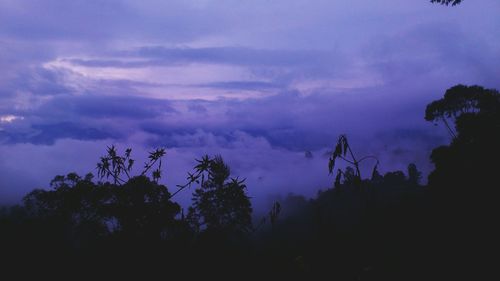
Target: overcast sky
{"points": [[259, 81]]}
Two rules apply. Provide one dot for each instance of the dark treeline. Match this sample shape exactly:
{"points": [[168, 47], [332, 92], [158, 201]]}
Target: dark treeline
{"points": [[370, 227]]}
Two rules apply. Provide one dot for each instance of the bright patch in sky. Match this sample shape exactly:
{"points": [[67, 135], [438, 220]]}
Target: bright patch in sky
{"points": [[10, 118]]}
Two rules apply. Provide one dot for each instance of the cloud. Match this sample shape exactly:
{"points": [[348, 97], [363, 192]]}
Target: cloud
{"points": [[434, 51], [9, 118], [242, 85], [41, 20], [85, 118], [260, 82], [266, 170], [102, 106], [47, 134], [159, 55]]}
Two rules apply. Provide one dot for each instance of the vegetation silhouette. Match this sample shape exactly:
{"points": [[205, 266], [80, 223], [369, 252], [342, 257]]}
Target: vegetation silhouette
{"points": [[382, 227], [219, 204], [465, 182], [447, 2]]}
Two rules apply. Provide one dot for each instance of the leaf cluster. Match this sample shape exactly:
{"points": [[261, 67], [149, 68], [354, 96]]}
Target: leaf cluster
{"points": [[116, 166], [447, 2], [220, 203]]}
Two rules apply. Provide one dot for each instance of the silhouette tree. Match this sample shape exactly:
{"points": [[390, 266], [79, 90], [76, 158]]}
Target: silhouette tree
{"points": [[464, 184], [344, 152], [142, 209], [133, 207], [414, 175], [471, 158], [447, 2], [220, 203], [74, 208], [115, 166]]}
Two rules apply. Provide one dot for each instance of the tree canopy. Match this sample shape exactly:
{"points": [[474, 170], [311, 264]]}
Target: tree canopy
{"points": [[472, 117], [447, 2], [220, 203]]}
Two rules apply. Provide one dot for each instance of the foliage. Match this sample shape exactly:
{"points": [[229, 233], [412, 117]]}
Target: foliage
{"points": [[471, 157], [464, 184], [138, 207], [115, 166], [414, 176], [135, 207], [142, 207], [447, 2], [462, 100], [344, 152], [220, 203]]}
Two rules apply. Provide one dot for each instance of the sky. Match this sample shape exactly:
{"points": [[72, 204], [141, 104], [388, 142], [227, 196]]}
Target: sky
{"points": [[268, 84]]}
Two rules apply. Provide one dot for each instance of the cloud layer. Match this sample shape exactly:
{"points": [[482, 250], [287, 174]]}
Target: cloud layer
{"points": [[261, 82]]}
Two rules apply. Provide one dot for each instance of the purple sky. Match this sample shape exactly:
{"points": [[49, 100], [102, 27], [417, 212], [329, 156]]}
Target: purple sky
{"points": [[258, 81]]}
